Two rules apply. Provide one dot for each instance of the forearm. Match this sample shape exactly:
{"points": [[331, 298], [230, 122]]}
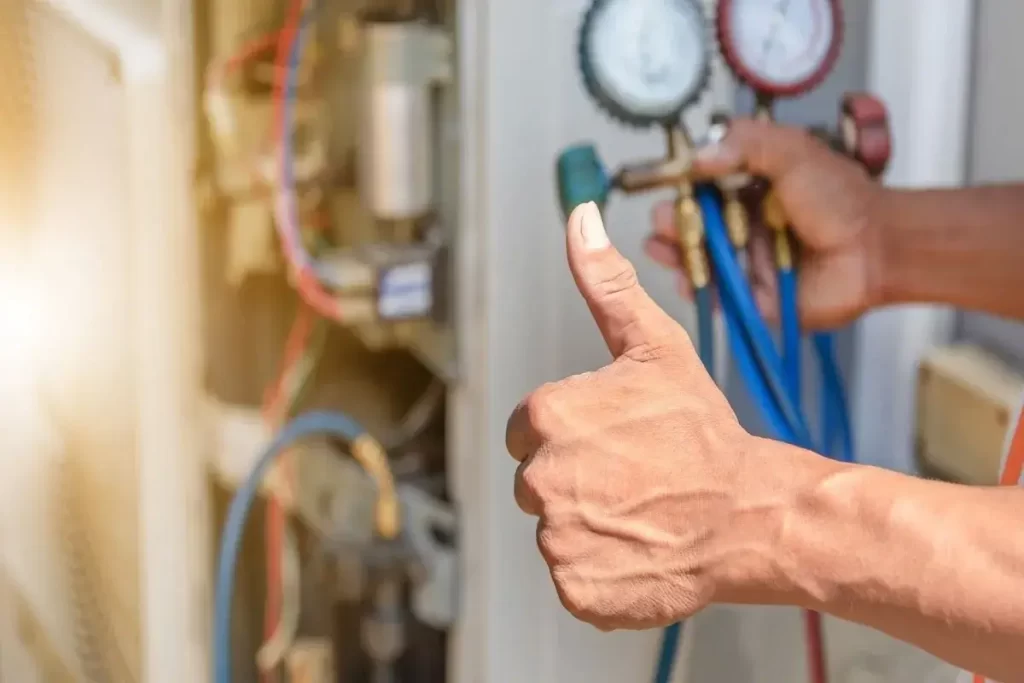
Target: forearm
{"points": [[958, 247], [937, 565]]}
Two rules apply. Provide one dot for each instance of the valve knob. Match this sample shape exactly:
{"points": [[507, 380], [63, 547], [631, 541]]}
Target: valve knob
{"points": [[864, 131], [582, 178]]}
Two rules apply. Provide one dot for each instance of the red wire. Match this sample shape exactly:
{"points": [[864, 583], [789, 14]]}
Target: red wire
{"points": [[817, 667], [310, 291], [274, 412], [246, 53], [308, 285]]}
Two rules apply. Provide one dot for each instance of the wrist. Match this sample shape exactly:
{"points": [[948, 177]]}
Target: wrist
{"points": [[754, 554], [884, 209]]}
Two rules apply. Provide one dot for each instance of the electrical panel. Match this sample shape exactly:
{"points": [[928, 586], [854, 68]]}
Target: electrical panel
{"points": [[241, 212], [326, 185]]}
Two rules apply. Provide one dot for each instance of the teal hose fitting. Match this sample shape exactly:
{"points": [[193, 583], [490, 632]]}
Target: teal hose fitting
{"points": [[582, 178]]}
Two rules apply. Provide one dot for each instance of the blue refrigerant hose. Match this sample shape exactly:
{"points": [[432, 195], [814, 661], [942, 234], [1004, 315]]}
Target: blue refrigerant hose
{"points": [[773, 386], [837, 433], [753, 332], [329, 424], [836, 436], [757, 387], [791, 341]]}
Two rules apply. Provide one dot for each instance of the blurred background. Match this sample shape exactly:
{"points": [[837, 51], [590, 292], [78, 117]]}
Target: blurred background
{"points": [[219, 213]]}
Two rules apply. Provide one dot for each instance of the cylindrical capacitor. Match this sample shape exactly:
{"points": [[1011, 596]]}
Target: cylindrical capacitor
{"points": [[404, 60]]}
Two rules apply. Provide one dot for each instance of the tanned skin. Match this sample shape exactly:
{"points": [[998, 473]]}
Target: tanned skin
{"points": [[653, 501]]}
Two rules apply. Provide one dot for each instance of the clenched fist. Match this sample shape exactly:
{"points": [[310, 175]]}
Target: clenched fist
{"points": [[639, 472]]}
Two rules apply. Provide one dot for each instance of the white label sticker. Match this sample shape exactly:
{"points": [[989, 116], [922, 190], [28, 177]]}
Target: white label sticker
{"points": [[406, 292]]}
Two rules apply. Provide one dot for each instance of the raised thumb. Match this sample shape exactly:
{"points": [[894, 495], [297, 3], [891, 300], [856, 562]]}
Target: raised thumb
{"points": [[629, 320]]}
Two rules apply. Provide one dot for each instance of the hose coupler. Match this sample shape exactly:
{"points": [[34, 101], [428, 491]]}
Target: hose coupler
{"points": [[775, 219], [691, 237]]}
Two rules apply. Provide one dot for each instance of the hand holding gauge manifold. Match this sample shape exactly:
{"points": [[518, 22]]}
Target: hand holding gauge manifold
{"points": [[814, 192], [829, 202], [825, 200]]}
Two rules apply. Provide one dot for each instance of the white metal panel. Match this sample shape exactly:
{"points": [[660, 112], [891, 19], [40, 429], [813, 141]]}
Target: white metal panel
{"points": [[997, 145], [920, 65], [78, 282], [526, 324], [115, 246]]}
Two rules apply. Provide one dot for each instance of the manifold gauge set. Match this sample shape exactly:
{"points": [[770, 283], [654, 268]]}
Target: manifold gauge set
{"points": [[645, 61]]}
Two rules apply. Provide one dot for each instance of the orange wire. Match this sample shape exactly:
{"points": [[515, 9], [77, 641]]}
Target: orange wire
{"points": [[815, 641], [1010, 476]]}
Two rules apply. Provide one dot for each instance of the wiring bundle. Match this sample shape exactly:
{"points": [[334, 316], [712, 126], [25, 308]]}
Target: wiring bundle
{"points": [[320, 297], [303, 347]]}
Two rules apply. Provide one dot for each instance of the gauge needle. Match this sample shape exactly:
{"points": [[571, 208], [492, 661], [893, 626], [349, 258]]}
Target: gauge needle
{"points": [[653, 70], [781, 11]]}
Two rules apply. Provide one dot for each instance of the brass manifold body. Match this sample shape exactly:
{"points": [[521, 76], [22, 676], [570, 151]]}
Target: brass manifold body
{"points": [[676, 172]]}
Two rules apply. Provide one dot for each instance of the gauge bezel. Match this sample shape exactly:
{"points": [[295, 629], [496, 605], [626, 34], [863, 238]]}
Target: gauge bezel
{"points": [[731, 55], [617, 110]]}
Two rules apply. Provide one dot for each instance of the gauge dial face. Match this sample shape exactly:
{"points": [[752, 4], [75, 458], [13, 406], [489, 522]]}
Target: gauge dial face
{"points": [[648, 58], [780, 47]]}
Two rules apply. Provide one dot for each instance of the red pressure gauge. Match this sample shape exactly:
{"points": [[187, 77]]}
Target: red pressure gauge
{"points": [[780, 48], [864, 131]]}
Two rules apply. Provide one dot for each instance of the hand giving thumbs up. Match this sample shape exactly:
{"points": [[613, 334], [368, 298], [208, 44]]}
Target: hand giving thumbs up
{"points": [[638, 472]]}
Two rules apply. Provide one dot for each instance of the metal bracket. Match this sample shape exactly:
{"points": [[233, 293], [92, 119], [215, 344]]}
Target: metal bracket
{"points": [[335, 497]]}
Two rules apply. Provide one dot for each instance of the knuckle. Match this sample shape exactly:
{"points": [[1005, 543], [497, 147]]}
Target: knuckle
{"points": [[664, 220], [524, 497], [647, 353], [539, 407], [668, 344], [576, 602], [814, 154], [621, 279], [547, 545], [519, 441], [791, 138], [569, 593], [781, 148], [512, 429], [532, 480]]}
